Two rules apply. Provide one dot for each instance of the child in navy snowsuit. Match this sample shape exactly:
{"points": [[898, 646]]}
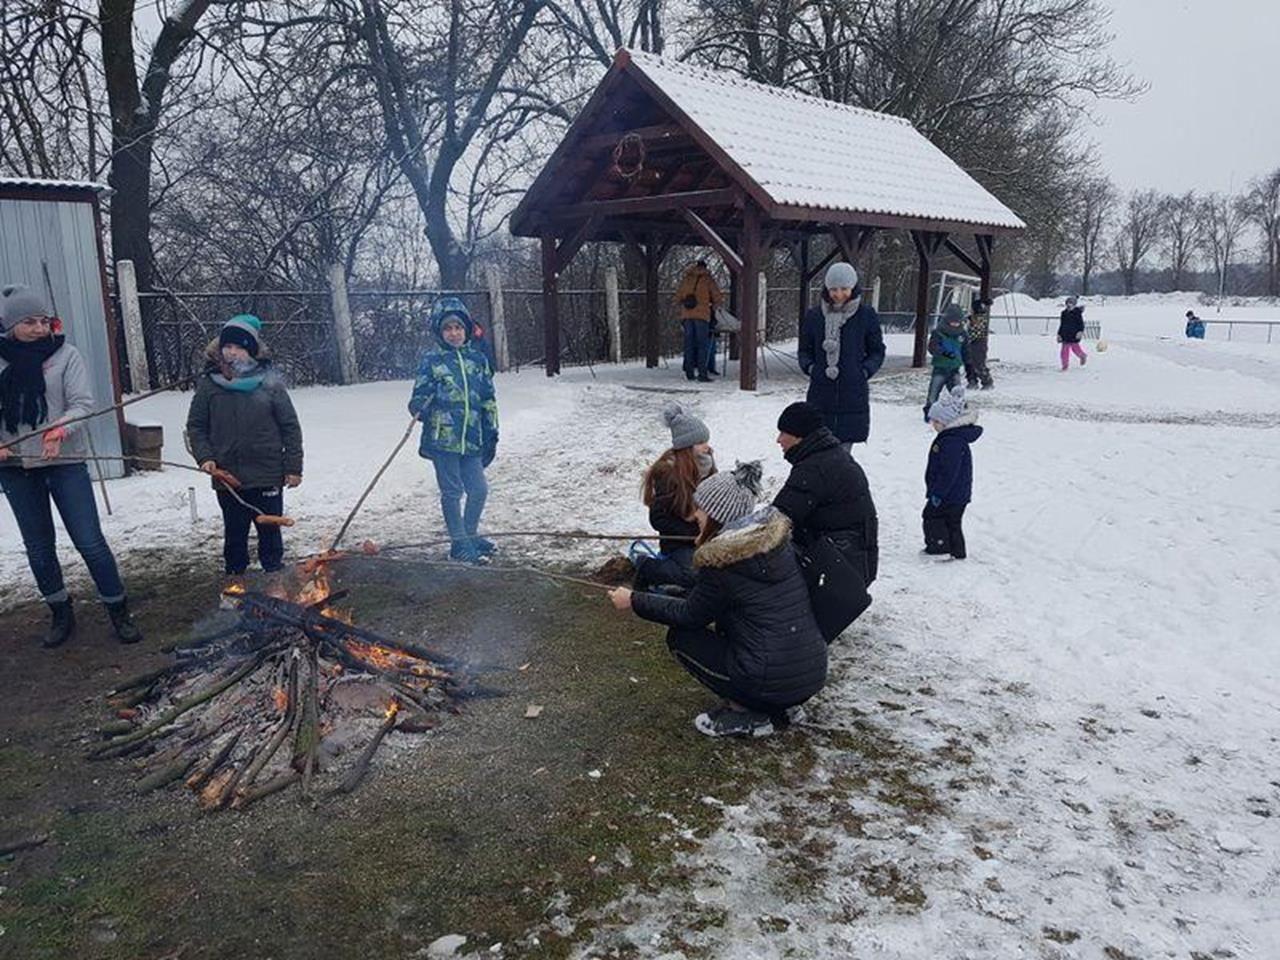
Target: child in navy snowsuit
{"points": [[948, 478]]}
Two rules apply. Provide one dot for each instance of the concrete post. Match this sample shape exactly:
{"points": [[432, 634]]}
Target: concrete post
{"points": [[613, 312], [342, 329], [134, 341], [498, 319]]}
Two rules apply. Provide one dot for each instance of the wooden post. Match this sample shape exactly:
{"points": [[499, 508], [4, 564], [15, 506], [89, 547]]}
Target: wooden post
{"points": [[613, 313], [135, 343], [762, 334], [922, 300], [498, 319], [750, 243], [735, 298], [550, 306], [804, 277], [985, 243], [342, 329], [651, 264]]}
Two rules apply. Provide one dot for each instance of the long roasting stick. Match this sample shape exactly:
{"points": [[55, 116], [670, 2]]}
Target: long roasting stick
{"points": [[97, 413], [408, 431]]}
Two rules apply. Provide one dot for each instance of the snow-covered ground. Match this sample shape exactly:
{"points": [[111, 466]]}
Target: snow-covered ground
{"points": [[1063, 746]]}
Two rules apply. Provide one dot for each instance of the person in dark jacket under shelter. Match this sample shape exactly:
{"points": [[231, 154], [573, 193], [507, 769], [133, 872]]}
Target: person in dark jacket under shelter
{"points": [[841, 348], [827, 495], [746, 631], [667, 491], [948, 477], [242, 421]]}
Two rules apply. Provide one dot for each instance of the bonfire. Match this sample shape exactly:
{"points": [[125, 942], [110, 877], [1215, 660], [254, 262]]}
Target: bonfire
{"points": [[278, 698]]}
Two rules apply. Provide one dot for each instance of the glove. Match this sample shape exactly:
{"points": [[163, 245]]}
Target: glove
{"points": [[935, 500], [490, 451]]}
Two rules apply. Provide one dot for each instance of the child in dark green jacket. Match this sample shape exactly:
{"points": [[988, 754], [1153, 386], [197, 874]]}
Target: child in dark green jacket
{"points": [[454, 398]]}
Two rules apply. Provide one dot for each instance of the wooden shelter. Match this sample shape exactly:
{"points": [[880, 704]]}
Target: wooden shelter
{"points": [[666, 154]]}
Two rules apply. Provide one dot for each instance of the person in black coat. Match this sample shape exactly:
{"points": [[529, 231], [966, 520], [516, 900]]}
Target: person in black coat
{"points": [[746, 630], [841, 348], [829, 502], [948, 478], [1070, 333]]}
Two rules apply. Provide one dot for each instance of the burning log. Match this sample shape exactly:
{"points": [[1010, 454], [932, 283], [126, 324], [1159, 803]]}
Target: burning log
{"points": [[353, 778], [287, 672]]}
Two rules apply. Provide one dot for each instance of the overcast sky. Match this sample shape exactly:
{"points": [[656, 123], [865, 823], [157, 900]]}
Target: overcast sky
{"points": [[1211, 120]]}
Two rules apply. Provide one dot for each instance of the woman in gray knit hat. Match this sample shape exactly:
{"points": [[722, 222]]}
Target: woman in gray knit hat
{"points": [[841, 348], [746, 630], [667, 491], [44, 382]]}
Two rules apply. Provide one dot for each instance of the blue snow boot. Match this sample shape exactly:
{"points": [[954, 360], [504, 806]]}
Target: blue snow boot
{"points": [[484, 545], [465, 551]]}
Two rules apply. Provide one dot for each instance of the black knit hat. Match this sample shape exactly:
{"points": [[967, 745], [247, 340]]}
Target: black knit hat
{"points": [[800, 419]]}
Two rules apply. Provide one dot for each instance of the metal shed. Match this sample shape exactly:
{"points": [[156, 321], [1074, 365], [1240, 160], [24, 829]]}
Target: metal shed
{"points": [[51, 240]]}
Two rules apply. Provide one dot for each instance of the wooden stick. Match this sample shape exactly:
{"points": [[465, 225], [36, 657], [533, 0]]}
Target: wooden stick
{"points": [[342, 532], [282, 732], [17, 846], [97, 463], [282, 782], [201, 776], [175, 770], [178, 709], [356, 774], [548, 534], [97, 413], [490, 568]]}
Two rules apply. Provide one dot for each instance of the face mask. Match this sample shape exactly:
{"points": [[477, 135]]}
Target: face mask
{"points": [[242, 368], [706, 463]]}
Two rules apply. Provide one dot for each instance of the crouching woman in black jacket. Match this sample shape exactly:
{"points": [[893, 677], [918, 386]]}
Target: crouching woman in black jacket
{"points": [[746, 630]]}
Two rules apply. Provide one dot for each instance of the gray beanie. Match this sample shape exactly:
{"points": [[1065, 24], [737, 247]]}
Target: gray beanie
{"points": [[731, 495], [17, 303], [686, 429], [840, 275]]}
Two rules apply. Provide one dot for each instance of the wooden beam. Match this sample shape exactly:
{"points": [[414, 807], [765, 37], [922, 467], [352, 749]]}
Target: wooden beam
{"points": [[985, 246], [653, 255], [926, 244], [714, 241], [802, 258], [825, 262], [568, 247], [963, 256], [865, 236], [749, 307], [550, 307], [658, 203], [847, 248], [649, 134]]}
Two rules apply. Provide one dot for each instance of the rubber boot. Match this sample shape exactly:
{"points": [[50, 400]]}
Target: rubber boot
{"points": [[126, 630], [62, 625]]}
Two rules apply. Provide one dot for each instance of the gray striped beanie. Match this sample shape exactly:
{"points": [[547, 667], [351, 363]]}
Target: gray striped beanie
{"points": [[731, 495]]}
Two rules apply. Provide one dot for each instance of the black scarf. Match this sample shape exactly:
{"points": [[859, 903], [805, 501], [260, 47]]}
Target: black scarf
{"points": [[22, 382]]}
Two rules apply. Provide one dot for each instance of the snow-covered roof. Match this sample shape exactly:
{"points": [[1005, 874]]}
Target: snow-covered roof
{"points": [[807, 152], [34, 183]]}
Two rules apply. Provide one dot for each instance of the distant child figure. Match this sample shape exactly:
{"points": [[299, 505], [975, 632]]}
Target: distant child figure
{"points": [[1070, 333], [242, 421], [948, 478], [453, 396], [1195, 326], [667, 491], [975, 368], [949, 347]]}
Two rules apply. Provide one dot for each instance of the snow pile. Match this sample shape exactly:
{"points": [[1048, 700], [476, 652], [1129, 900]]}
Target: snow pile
{"points": [[1022, 305]]}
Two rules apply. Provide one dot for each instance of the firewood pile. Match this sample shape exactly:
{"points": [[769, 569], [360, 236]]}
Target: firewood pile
{"points": [[291, 693]]}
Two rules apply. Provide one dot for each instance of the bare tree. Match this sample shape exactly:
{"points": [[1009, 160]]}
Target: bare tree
{"points": [[1094, 210], [1180, 224], [1136, 234], [1262, 207], [1222, 221]]}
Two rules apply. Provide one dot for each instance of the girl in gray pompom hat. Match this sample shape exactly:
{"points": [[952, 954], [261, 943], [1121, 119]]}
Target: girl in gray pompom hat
{"points": [[667, 491], [746, 630], [841, 348]]}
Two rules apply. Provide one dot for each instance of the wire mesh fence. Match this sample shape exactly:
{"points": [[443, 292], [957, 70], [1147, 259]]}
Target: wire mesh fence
{"points": [[392, 329]]}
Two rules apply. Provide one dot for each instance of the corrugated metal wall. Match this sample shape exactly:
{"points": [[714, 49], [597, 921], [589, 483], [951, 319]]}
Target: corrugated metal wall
{"points": [[60, 233]]}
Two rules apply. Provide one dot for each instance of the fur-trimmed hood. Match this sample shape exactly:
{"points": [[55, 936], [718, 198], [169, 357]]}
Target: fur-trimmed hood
{"points": [[757, 534], [212, 355]]}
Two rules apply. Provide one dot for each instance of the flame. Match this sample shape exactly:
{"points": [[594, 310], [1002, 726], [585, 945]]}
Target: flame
{"points": [[375, 656], [234, 589], [392, 709], [316, 588], [280, 699]]}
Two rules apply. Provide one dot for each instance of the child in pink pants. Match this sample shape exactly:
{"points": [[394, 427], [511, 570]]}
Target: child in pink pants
{"points": [[1070, 348], [1071, 332]]}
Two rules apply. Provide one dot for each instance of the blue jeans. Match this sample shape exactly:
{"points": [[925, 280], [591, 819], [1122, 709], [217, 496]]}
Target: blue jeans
{"points": [[236, 519], [67, 486], [937, 380], [456, 475], [697, 347]]}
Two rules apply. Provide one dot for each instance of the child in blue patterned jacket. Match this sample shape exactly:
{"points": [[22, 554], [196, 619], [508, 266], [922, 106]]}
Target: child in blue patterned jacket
{"points": [[453, 396]]}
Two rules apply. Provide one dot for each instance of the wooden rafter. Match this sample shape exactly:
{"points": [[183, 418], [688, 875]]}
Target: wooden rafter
{"points": [[648, 204], [717, 243]]}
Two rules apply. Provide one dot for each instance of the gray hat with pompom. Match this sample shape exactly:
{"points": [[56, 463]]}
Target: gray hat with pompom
{"points": [[730, 495], [17, 303], [686, 429]]}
